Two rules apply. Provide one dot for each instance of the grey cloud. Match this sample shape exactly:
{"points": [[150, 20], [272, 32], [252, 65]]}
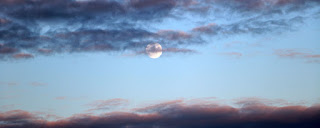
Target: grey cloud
{"points": [[177, 114], [45, 27], [107, 104], [248, 26]]}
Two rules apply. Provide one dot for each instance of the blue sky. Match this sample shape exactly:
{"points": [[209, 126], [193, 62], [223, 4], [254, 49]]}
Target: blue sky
{"points": [[214, 53], [97, 76]]}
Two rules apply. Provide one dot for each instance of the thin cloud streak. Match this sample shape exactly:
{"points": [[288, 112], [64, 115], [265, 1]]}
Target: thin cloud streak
{"points": [[9, 83], [166, 51], [107, 104], [38, 84], [307, 55], [232, 54]]}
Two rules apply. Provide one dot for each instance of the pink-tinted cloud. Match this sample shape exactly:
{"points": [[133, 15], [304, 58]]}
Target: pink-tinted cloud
{"points": [[307, 55], [261, 101], [158, 107], [44, 51], [205, 28], [292, 53], [61, 98], [178, 113], [7, 50], [3, 21], [173, 35], [313, 56], [22, 56]]}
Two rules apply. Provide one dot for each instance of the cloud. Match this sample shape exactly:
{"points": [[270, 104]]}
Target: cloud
{"points": [[232, 54], [265, 7], [16, 117], [306, 54], [249, 26], [9, 106], [6, 50], [60, 98], [38, 84], [165, 50], [179, 50], [22, 56], [9, 83], [44, 27], [179, 113], [261, 101], [69, 98], [3, 21], [313, 61], [107, 104]]}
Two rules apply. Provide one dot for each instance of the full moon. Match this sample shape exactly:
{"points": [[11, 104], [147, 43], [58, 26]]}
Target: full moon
{"points": [[154, 50]]}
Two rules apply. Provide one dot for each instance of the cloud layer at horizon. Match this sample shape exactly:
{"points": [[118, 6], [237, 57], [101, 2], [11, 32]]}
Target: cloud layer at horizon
{"points": [[44, 27], [252, 112]]}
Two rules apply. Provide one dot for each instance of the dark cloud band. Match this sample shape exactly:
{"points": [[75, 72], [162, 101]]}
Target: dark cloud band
{"points": [[178, 114], [44, 27]]}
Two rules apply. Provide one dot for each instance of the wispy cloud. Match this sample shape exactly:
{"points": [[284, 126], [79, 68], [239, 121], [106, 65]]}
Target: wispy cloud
{"points": [[38, 84], [22, 56], [107, 104], [69, 98], [60, 98], [166, 51], [232, 54], [307, 55], [80, 26], [9, 83]]}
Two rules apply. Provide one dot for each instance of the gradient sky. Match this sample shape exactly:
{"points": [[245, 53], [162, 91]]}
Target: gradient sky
{"points": [[68, 57]]}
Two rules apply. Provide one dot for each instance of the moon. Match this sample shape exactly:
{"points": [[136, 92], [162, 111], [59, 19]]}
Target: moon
{"points": [[154, 50]]}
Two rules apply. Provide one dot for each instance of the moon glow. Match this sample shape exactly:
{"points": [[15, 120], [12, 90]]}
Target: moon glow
{"points": [[154, 50]]}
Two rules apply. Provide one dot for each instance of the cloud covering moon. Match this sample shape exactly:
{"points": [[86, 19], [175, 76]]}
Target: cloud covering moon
{"points": [[154, 50]]}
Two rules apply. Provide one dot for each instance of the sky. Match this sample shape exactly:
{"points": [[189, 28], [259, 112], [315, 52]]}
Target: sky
{"points": [[224, 63]]}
